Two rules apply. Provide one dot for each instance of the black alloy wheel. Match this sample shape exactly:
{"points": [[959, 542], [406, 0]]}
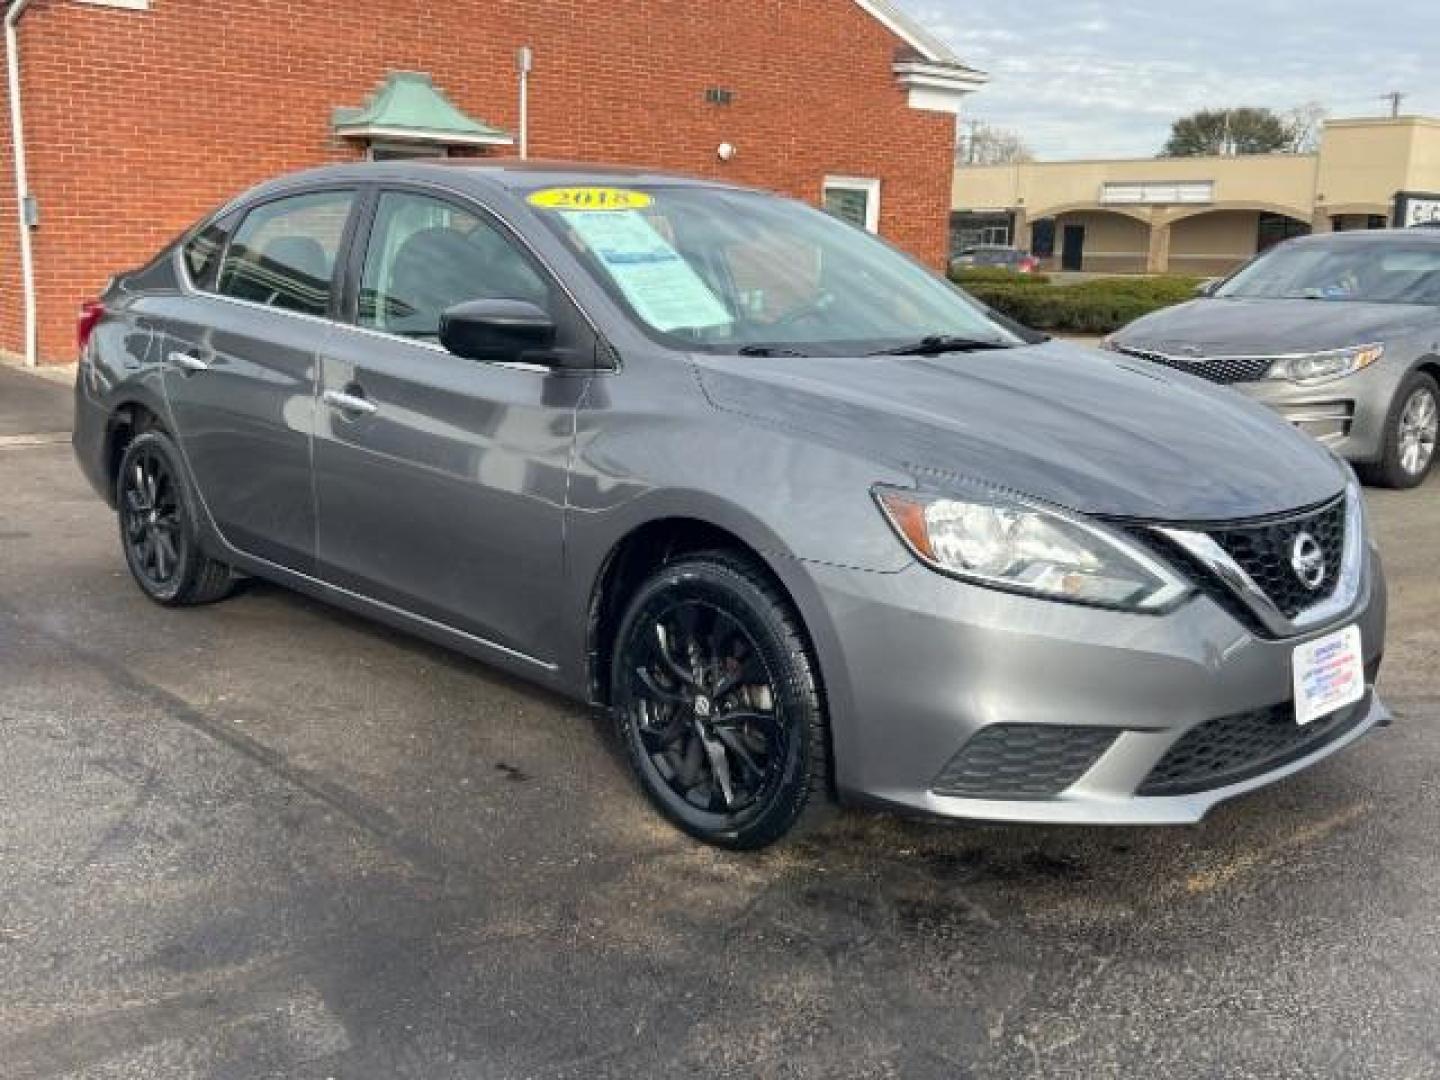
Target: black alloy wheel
{"points": [[718, 703], [157, 527]]}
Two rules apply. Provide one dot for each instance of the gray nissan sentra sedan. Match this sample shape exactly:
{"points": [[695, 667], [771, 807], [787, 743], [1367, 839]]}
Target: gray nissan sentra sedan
{"points": [[802, 517], [1338, 333]]}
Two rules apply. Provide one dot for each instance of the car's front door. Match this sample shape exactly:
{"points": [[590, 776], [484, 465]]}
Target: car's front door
{"points": [[440, 482], [240, 356]]}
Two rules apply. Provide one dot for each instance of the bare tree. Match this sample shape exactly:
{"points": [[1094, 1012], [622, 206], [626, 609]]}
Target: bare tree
{"points": [[982, 144], [1304, 123]]}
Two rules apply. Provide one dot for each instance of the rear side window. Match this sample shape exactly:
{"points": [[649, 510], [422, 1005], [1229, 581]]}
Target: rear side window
{"points": [[284, 252]]}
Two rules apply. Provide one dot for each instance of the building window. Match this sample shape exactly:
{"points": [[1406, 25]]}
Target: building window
{"points": [[1273, 228], [398, 151], [854, 199], [979, 228]]}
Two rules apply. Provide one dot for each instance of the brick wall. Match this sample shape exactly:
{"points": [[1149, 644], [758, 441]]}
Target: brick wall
{"points": [[140, 121]]}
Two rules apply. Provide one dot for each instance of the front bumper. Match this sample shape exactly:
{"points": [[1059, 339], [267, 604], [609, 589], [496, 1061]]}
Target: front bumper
{"points": [[919, 664], [1348, 415]]}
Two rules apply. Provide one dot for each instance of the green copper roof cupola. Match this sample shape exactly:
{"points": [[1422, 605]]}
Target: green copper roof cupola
{"points": [[408, 107]]}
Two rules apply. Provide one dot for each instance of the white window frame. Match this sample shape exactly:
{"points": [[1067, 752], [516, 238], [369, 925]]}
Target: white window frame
{"points": [[869, 186]]}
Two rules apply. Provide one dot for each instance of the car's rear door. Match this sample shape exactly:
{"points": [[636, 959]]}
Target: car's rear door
{"points": [[240, 355], [440, 482]]}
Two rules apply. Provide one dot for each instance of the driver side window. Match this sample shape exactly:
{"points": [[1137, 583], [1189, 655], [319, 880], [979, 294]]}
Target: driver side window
{"points": [[426, 254]]}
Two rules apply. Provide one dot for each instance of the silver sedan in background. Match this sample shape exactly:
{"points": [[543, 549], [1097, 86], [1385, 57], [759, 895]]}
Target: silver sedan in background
{"points": [[1338, 333]]}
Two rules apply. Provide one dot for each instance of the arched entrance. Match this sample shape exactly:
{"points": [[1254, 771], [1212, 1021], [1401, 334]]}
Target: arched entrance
{"points": [[1216, 241]]}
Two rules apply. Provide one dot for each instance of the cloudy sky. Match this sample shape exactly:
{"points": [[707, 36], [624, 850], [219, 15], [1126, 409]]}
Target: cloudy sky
{"points": [[1076, 78]]}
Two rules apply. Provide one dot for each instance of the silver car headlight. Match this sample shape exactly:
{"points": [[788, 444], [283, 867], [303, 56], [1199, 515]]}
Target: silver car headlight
{"points": [[1006, 542], [1309, 369]]}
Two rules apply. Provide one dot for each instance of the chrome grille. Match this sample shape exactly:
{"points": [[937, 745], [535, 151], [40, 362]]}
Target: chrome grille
{"points": [[1247, 566], [1264, 553], [1217, 369]]}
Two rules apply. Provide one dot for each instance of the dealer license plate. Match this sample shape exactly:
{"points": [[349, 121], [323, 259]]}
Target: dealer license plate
{"points": [[1329, 674]]}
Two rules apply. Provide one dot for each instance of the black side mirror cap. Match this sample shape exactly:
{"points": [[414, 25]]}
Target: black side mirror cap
{"points": [[499, 330]]}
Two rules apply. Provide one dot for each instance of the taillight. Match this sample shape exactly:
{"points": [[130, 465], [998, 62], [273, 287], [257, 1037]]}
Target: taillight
{"points": [[91, 312]]}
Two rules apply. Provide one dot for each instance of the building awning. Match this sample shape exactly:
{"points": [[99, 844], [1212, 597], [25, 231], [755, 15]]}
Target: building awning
{"points": [[409, 107]]}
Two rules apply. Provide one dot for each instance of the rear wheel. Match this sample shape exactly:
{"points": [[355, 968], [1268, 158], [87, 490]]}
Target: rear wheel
{"points": [[718, 702], [1410, 435], [157, 527]]}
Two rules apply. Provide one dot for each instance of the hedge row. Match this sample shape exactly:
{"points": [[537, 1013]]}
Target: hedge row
{"points": [[995, 275], [1097, 306]]}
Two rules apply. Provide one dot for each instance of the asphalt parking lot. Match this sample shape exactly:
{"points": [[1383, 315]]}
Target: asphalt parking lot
{"points": [[266, 839]]}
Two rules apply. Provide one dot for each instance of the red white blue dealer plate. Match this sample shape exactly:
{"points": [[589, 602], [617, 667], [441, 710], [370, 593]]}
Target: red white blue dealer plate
{"points": [[1329, 674]]}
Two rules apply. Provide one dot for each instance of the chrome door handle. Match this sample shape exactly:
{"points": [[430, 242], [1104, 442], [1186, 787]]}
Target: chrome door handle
{"points": [[349, 403], [188, 362]]}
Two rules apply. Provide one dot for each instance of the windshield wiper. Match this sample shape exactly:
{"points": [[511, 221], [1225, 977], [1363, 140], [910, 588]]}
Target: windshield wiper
{"points": [[768, 350], [936, 344]]}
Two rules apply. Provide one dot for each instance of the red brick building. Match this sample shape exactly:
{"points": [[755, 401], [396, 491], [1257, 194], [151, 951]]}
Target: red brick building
{"points": [[137, 116]]}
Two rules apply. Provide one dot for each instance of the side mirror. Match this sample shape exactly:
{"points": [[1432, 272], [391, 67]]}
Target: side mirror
{"points": [[1207, 288], [499, 330]]}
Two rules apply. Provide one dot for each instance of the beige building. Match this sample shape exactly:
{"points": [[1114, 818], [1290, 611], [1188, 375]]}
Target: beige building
{"points": [[1202, 215]]}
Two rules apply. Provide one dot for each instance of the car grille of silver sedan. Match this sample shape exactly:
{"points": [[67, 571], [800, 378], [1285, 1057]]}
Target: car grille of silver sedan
{"points": [[1218, 369]]}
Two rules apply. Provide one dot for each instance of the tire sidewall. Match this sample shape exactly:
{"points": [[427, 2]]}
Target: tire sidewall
{"points": [[193, 561], [797, 700], [1395, 473]]}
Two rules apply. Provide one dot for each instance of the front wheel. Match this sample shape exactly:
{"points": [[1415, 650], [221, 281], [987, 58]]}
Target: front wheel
{"points": [[1410, 435], [718, 702], [157, 527]]}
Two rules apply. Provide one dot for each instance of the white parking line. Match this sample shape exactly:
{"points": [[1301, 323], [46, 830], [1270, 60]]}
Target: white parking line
{"points": [[44, 438]]}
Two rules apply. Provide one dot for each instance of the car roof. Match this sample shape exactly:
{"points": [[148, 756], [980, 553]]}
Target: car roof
{"points": [[482, 174], [1371, 236]]}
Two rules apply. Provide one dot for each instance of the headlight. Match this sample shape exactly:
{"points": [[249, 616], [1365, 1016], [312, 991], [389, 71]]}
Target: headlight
{"points": [[1005, 542], [1320, 367]]}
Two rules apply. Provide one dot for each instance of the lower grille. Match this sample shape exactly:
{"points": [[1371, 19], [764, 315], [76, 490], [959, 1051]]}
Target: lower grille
{"points": [[1231, 749], [1217, 369], [1022, 761]]}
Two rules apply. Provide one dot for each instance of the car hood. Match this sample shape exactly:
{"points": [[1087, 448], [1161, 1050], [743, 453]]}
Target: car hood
{"points": [[1225, 327], [1087, 430]]}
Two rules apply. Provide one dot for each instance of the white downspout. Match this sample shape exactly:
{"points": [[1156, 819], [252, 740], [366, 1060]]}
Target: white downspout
{"points": [[22, 181]]}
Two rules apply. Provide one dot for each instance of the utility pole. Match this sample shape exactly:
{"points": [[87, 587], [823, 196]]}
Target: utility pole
{"points": [[1395, 97]]}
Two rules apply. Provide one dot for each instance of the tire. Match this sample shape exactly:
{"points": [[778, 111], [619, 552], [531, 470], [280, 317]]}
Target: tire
{"points": [[710, 656], [157, 514], [1410, 438]]}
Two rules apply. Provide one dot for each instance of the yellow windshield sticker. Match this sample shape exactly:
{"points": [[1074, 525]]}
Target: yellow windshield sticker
{"points": [[589, 198]]}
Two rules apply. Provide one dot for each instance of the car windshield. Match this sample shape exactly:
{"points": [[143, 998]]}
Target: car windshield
{"points": [[732, 271], [1372, 271]]}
